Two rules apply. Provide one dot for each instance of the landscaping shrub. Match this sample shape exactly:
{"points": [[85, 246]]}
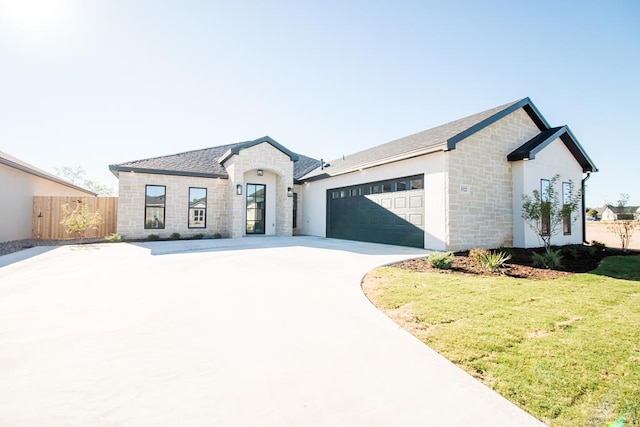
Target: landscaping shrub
{"points": [[599, 246], [217, 236], [153, 237], [174, 236], [477, 254], [441, 260], [114, 237], [493, 261], [197, 236], [570, 251], [550, 260]]}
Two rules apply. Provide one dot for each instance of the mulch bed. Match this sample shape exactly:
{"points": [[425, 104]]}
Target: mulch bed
{"points": [[19, 245], [520, 264]]}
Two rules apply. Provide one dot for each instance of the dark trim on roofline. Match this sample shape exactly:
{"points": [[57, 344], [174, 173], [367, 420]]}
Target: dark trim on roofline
{"points": [[568, 139], [116, 168], [236, 149], [46, 176], [525, 103]]}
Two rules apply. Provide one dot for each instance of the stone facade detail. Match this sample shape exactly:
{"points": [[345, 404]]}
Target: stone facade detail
{"points": [[272, 161], [131, 205], [480, 184]]}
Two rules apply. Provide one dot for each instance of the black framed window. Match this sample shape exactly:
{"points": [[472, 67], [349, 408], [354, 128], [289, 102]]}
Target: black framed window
{"points": [[197, 207], [154, 206], [256, 207], [295, 210], [566, 199], [545, 207], [402, 184]]}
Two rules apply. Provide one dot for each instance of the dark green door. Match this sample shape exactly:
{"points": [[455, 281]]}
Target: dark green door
{"points": [[390, 212], [256, 201]]}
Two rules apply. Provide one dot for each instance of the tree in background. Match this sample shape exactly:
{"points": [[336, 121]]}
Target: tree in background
{"points": [[543, 212], [78, 219], [592, 213], [623, 228], [78, 176]]}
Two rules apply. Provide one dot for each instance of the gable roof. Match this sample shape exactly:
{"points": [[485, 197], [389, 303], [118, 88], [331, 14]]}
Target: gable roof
{"points": [[236, 148], [207, 162], [622, 209], [445, 137], [440, 138], [529, 149], [18, 164]]}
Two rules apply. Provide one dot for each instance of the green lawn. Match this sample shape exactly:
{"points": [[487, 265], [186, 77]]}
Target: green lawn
{"points": [[566, 350]]}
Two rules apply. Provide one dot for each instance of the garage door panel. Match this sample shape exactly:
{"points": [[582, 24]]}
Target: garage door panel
{"points": [[395, 217]]}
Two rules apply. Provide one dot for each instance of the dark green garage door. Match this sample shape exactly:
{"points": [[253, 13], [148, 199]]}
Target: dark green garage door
{"points": [[390, 212]]}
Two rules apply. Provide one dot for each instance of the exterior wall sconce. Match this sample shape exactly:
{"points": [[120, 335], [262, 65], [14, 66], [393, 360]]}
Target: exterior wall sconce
{"points": [[239, 189], [289, 192], [260, 172]]}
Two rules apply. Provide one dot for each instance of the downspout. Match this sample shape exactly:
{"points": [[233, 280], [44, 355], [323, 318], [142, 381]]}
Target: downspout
{"points": [[584, 207]]}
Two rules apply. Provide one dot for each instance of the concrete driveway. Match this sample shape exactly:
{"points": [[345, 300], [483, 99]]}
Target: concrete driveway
{"points": [[244, 332]]}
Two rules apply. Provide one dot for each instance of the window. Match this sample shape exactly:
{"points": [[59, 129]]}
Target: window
{"points": [[154, 203], [386, 187], [295, 210], [545, 208], [566, 199], [401, 185], [197, 207], [416, 184]]}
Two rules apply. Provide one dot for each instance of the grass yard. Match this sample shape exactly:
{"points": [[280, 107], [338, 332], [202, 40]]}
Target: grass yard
{"points": [[566, 350]]}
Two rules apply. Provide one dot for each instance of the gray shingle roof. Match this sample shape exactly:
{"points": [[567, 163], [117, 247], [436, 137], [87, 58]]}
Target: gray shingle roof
{"points": [[202, 163], [439, 138]]}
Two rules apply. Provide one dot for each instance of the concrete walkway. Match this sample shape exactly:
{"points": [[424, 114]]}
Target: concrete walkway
{"points": [[244, 332]]}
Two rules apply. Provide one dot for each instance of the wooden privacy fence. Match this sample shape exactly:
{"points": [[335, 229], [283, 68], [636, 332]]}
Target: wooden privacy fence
{"points": [[47, 214]]}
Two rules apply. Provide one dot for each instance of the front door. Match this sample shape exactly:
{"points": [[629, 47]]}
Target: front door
{"points": [[256, 200]]}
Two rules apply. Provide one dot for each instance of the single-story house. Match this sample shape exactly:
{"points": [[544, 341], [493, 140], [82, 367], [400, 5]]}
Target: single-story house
{"points": [[614, 213], [19, 183], [453, 187]]}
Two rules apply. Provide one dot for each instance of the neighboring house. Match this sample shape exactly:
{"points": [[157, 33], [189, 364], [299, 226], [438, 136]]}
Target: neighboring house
{"points": [[453, 187], [613, 213], [19, 183]]}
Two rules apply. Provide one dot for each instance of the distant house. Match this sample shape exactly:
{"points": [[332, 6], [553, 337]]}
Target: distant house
{"points": [[19, 183], [613, 213], [453, 187]]}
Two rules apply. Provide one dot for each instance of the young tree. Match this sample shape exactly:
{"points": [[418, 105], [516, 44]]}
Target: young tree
{"points": [[79, 219], [623, 227], [544, 213], [78, 176]]}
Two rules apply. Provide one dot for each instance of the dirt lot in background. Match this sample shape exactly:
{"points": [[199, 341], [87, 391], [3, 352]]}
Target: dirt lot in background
{"points": [[597, 230]]}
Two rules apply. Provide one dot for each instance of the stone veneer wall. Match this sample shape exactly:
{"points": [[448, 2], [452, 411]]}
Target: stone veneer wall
{"points": [[131, 205], [483, 215], [267, 157]]}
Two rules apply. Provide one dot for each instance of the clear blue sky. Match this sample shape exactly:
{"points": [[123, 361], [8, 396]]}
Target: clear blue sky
{"points": [[94, 83]]}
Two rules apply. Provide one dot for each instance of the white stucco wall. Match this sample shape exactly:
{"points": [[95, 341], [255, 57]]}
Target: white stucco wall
{"points": [[555, 158], [17, 189], [313, 216]]}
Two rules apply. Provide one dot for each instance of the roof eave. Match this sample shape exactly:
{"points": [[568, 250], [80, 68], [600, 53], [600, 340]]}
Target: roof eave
{"points": [[568, 139], [39, 174], [236, 149], [524, 103], [387, 160], [116, 169]]}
